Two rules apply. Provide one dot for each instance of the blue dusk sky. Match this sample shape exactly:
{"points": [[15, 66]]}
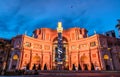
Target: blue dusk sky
{"points": [[20, 16]]}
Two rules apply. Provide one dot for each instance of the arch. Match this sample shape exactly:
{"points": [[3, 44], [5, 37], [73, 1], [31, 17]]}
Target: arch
{"points": [[14, 61], [106, 57], [55, 36], [64, 39]]}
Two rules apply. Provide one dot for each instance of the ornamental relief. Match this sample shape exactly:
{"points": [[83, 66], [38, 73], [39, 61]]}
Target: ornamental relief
{"points": [[37, 46], [27, 44], [47, 47], [73, 47]]}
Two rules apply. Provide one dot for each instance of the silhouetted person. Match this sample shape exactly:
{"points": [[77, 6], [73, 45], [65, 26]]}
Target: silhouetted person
{"points": [[39, 67], [92, 66], [45, 67], [85, 66], [73, 67], [79, 67], [34, 67]]}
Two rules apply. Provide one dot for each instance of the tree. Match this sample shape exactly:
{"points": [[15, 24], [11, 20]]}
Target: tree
{"points": [[39, 67], [34, 67]]}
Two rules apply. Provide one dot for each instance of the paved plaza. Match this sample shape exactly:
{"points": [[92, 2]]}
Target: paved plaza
{"points": [[73, 74]]}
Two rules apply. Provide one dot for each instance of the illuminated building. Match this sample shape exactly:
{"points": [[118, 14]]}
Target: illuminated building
{"points": [[80, 51]]}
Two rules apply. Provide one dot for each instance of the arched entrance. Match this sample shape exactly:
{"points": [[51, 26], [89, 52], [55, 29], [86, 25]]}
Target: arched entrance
{"points": [[14, 61], [36, 59], [36, 62], [64, 54], [106, 58], [84, 58]]}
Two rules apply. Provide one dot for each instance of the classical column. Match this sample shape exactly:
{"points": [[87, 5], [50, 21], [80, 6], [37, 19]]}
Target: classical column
{"points": [[17, 65], [10, 64], [31, 58]]}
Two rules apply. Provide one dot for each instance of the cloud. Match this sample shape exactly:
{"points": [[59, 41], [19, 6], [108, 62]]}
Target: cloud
{"points": [[17, 16]]}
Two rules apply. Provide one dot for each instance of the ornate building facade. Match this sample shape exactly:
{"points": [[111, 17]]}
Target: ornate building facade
{"points": [[80, 51], [5, 48]]}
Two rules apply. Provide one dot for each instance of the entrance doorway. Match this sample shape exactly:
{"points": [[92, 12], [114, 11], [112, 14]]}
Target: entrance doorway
{"points": [[107, 67]]}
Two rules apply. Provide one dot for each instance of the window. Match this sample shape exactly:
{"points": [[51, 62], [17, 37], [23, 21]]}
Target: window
{"points": [[25, 55], [47, 47], [82, 45], [27, 44], [92, 44], [40, 46], [73, 47], [94, 55]]}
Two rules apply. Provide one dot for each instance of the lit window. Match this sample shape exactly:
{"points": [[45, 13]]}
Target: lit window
{"points": [[28, 44], [82, 46], [73, 47], [92, 44]]}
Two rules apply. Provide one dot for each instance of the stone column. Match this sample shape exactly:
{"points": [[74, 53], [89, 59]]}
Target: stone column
{"points": [[10, 64]]}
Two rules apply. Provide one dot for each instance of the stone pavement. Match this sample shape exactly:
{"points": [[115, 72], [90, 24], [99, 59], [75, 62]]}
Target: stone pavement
{"points": [[73, 74]]}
